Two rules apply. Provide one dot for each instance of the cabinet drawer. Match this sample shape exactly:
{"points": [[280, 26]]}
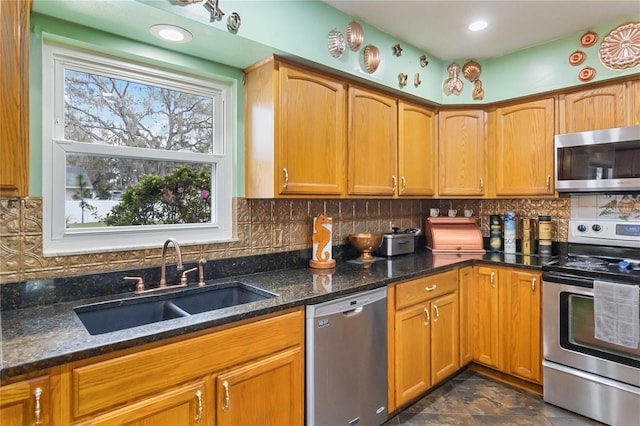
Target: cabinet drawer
{"points": [[112, 383], [425, 288]]}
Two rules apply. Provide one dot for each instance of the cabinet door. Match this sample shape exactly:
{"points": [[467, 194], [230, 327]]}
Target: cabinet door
{"points": [[26, 403], [417, 148], [486, 338], [461, 145], [444, 337], [635, 103], [183, 406], [373, 142], [466, 298], [594, 109], [523, 160], [265, 392], [523, 341], [14, 98], [312, 133], [413, 352]]}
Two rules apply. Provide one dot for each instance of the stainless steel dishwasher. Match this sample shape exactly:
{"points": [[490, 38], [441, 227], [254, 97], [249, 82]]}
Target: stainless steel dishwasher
{"points": [[346, 381]]}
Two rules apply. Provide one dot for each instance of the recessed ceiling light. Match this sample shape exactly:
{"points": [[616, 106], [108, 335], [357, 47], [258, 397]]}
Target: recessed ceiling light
{"points": [[478, 25], [171, 33]]}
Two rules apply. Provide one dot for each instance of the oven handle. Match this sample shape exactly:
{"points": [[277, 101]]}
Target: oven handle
{"points": [[564, 278]]}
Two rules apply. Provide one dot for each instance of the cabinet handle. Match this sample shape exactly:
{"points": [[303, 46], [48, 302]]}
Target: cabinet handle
{"points": [[404, 184], [199, 412], [225, 404], [533, 285], [548, 181], [286, 177], [395, 183], [492, 280], [481, 183], [426, 312], [431, 287], [37, 393], [435, 307]]}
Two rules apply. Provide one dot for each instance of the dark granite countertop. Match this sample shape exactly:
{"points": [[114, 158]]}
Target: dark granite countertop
{"points": [[40, 337]]}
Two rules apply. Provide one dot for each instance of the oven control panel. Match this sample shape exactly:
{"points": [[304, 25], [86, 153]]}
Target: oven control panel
{"points": [[604, 232]]}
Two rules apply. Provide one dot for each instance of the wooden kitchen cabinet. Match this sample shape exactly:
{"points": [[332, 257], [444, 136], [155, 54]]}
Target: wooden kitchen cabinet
{"points": [[182, 406], [594, 109], [426, 334], [268, 391], [174, 380], [461, 153], [26, 403], [14, 98], [417, 150], [295, 121], [486, 326], [521, 138], [635, 102], [372, 143], [466, 299], [522, 325]]}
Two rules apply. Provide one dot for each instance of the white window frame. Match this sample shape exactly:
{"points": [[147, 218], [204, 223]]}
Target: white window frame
{"points": [[57, 238]]}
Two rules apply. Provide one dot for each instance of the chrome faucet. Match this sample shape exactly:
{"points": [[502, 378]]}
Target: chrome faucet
{"points": [[163, 266]]}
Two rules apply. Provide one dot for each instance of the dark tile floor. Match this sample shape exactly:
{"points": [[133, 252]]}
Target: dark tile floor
{"points": [[473, 399]]}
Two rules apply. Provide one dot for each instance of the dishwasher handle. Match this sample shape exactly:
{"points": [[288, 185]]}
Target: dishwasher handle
{"points": [[353, 312]]}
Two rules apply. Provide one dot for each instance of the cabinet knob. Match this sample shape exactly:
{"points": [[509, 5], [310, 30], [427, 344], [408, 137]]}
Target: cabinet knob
{"points": [[431, 287], [427, 316], [492, 280], [481, 183], [533, 285], [435, 308], [548, 182], [227, 397], [286, 177], [404, 184], [395, 183]]}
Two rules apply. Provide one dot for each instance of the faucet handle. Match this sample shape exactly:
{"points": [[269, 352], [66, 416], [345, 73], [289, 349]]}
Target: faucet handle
{"points": [[201, 263], [139, 283], [183, 277]]}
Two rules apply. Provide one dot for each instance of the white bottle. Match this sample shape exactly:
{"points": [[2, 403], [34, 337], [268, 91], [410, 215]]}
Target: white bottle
{"points": [[509, 232]]}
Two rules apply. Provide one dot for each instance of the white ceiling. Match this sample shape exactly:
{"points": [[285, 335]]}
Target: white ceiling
{"points": [[440, 27]]}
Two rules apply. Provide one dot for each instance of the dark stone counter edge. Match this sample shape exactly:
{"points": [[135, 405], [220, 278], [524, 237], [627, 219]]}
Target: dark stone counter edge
{"points": [[44, 362]]}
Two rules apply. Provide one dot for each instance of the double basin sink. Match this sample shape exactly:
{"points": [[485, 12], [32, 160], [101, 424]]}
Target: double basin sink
{"points": [[99, 318]]}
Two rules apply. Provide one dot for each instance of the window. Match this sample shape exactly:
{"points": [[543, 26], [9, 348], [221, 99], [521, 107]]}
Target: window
{"points": [[132, 155]]}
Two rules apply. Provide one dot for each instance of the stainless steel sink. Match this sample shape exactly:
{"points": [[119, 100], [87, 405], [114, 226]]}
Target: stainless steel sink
{"points": [[99, 318]]}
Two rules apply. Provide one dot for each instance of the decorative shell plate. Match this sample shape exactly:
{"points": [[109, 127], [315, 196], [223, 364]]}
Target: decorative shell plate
{"points": [[371, 58], [588, 39], [586, 74], [471, 71], [336, 43], [355, 35], [620, 49]]}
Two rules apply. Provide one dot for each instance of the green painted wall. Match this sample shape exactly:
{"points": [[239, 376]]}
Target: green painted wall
{"points": [[291, 28]]}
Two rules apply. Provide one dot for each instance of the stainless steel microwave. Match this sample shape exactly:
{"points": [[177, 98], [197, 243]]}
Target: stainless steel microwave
{"points": [[598, 161]]}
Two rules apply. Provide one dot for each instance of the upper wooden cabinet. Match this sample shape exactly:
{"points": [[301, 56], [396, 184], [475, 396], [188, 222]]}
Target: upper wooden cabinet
{"points": [[417, 149], [635, 102], [373, 139], [521, 140], [594, 109], [461, 153], [295, 132], [14, 98]]}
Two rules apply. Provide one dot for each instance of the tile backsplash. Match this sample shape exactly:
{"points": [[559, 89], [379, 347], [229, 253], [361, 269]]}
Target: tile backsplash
{"points": [[262, 227], [621, 207]]}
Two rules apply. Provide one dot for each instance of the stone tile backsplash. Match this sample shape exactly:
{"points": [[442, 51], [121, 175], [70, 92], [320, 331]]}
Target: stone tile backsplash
{"points": [[262, 227]]}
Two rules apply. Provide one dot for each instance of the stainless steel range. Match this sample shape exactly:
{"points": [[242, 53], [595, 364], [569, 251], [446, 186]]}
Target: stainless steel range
{"points": [[591, 323]]}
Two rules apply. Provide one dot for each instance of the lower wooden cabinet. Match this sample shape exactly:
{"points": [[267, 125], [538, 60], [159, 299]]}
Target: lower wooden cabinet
{"points": [[426, 334], [26, 403], [486, 331], [268, 392]]}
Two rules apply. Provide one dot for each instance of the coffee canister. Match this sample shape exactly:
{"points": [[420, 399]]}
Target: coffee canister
{"points": [[544, 235], [509, 232]]}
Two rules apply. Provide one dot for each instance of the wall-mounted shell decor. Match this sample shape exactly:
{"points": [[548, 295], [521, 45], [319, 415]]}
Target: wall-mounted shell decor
{"points": [[355, 35], [588, 39], [335, 43], [471, 70], [233, 22], [416, 79], [453, 84], [577, 57], [397, 50], [371, 58], [402, 79], [423, 61], [620, 49], [586, 74]]}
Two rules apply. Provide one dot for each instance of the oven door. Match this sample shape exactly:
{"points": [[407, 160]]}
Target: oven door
{"points": [[569, 336]]}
